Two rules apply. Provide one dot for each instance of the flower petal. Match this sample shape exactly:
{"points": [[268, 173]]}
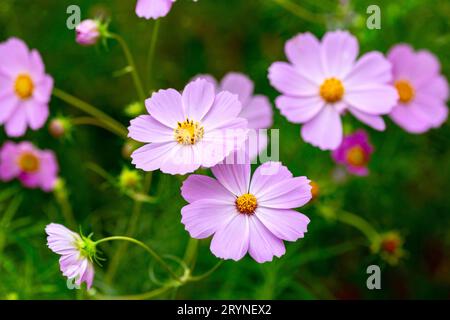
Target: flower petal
{"points": [[299, 109], [234, 177], [16, 125], [375, 122], [238, 83], [263, 245], [146, 129], [151, 156], [198, 97], [198, 187], [324, 130], [288, 80], [339, 52], [226, 107], [286, 194], [267, 175], [8, 105], [258, 112], [232, 240], [288, 225], [374, 99], [371, 68], [37, 114], [153, 9], [203, 218], [166, 107]]}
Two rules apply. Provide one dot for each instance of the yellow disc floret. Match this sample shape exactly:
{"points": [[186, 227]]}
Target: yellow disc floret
{"points": [[405, 91], [28, 162], [188, 132], [24, 86], [246, 203], [332, 90]]}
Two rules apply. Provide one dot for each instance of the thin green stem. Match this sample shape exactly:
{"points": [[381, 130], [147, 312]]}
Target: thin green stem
{"points": [[141, 296], [300, 11], [359, 223], [191, 253], [132, 226], [112, 124], [151, 52], [208, 273], [136, 78], [146, 248], [66, 208], [90, 121]]}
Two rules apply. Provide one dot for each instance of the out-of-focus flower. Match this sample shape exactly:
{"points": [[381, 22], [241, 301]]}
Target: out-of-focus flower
{"points": [[315, 190], [257, 109], [188, 130], [25, 88], [325, 79], [153, 9], [77, 253], [129, 147], [354, 152], [59, 127], [423, 90], [88, 32], [246, 214], [134, 109], [33, 167], [129, 179], [390, 247]]}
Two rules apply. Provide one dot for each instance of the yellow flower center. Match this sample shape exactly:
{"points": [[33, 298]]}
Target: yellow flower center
{"points": [[332, 90], [246, 203], [28, 162], [405, 90], [356, 156], [188, 132], [24, 86]]}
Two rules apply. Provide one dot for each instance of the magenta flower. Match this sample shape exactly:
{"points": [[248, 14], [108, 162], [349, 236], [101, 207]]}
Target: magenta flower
{"points": [[25, 89], [246, 215], [325, 79], [423, 90], [153, 9], [88, 32], [77, 253], [354, 152], [188, 130], [33, 167], [257, 109]]}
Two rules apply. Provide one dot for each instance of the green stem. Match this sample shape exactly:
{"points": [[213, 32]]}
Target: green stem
{"points": [[137, 208], [113, 125], [151, 52], [299, 11], [141, 296], [359, 223], [66, 209], [191, 253], [81, 121], [208, 273], [146, 248], [132, 64]]}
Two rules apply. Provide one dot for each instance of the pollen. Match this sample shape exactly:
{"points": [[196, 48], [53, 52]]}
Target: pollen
{"points": [[405, 91], [24, 86], [188, 132], [356, 156], [332, 90], [246, 203], [28, 162]]}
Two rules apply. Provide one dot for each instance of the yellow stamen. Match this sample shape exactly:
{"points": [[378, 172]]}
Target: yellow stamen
{"points": [[24, 86], [188, 132], [246, 203], [405, 91], [332, 90], [356, 156], [28, 162]]}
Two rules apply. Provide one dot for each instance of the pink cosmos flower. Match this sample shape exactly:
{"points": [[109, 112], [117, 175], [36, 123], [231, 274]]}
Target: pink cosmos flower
{"points": [[246, 215], [324, 79], [25, 89], [33, 167], [188, 130], [153, 9], [76, 253], [423, 90], [354, 152], [87, 32], [257, 109]]}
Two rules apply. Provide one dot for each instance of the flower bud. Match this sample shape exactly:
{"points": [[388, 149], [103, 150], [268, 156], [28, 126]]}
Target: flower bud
{"points": [[59, 127], [88, 32]]}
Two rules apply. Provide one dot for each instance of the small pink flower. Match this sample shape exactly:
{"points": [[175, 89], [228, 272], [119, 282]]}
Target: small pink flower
{"points": [[25, 89], [33, 167], [354, 152], [77, 253], [257, 109], [153, 9], [246, 214], [423, 90], [88, 32], [325, 79], [188, 130]]}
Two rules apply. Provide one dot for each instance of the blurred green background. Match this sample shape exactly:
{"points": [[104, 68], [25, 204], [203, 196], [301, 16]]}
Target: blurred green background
{"points": [[407, 189]]}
